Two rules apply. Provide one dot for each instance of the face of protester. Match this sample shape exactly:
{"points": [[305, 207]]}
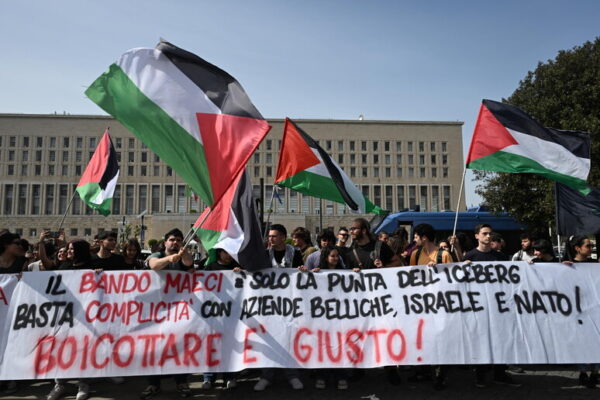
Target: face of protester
{"points": [[419, 240], [276, 238], [325, 243], [384, 237], [483, 237], [70, 252], [109, 243], [343, 237], [299, 242], [173, 244], [131, 252], [225, 258], [526, 244], [15, 248], [62, 254], [356, 232], [444, 246], [496, 245], [333, 258], [585, 251]]}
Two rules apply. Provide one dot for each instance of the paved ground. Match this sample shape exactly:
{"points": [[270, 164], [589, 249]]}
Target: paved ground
{"points": [[539, 382]]}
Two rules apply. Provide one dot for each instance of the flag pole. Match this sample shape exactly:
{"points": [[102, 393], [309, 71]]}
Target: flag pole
{"points": [[556, 220], [270, 211], [190, 234], [62, 221], [462, 184]]}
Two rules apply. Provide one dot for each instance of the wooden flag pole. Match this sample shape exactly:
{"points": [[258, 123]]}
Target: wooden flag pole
{"points": [[462, 184]]}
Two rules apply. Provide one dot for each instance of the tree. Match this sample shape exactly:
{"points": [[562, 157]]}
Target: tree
{"points": [[563, 93]]}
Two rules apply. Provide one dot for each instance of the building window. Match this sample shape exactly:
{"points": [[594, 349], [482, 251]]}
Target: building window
{"points": [[444, 172], [411, 172], [10, 170], [23, 170], [73, 232], [11, 155], [411, 159], [424, 199], [25, 156], [50, 169], [269, 158], [76, 206], [444, 159], [363, 145], [352, 172], [340, 158], [447, 205], [352, 145], [65, 170], [131, 143], [8, 199], [434, 172], [421, 146], [269, 144], [39, 141], [33, 232], [12, 141], [128, 199], [22, 200], [63, 198], [340, 145], [432, 146], [87, 232], [38, 155], [156, 158], [388, 159], [181, 199], [49, 208], [92, 142], [37, 170], [156, 170], [143, 170], [65, 156], [25, 141], [51, 156], [257, 171], [19, 231], [399, 159], [412, 197], [410, 146], [422, 172], [269, 171], [433, 159], [375, 172], [77, 170], [144, 156], [328, 145], [130, 171], [155, 206], [363, 158], [35, 199], [365, 173], [119, 143], [398, 146], [444, 147], [375, 158], [66, 142], [375, 146], [78, 157], [435, 198], [389, 198], [169, 171], [142, 198], [377, 195], [131, 156], [398, 172], [400, 197], [169, 198], [386, 146], [79, 142], [256, 158], [352, 158], [421, 159], [365, 191], [116, 201], [388, 172]]}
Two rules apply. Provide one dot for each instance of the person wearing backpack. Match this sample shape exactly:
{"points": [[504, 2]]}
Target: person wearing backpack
{"points": [[427, 252]]}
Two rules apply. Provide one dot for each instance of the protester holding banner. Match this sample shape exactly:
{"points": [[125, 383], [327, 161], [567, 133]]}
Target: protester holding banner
{"points": [[105, 259], [543, 252], [132, 253], [367, 252], [324, 239]]}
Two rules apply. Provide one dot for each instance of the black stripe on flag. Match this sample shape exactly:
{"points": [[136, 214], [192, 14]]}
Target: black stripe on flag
{"points": [[331, 168], [577, 214], [514, 118], [220, 87], [252, 254], [112, 167]]}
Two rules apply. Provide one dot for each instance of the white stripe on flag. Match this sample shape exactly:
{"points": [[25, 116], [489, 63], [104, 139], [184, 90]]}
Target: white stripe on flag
{"points": [[108, 192], [163, 83], [552, 156]]}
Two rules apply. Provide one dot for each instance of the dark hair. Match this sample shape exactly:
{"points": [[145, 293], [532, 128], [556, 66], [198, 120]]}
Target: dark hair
{"points": [[326, 234], [526, 235], [106, 234], [480, 227], [279, 228], [174, 232], [425, 230], [575, 241], [49, 248], [133, 242], [543, 246], [325, 251], [302, 233], [343, 228], [81, 251], [364, 224], [398, 241], [496, 237], [6, 239]]}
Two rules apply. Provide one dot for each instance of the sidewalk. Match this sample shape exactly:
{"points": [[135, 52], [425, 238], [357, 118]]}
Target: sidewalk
{"points": [[538, 382]]}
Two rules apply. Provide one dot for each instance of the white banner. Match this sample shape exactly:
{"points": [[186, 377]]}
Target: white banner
{"points": [[82, 324]]}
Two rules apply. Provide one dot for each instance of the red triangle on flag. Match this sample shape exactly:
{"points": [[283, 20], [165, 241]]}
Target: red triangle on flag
{"points": [[228, 142], [489, 136], [295, 155]]}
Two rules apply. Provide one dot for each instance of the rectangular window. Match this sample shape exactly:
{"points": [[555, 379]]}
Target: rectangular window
{"points": [[142, 198], [340, 158], [375, 146], [79, 142], [130, 171], [386, 146], [410, 146], [352, 145], [340, 145], [411, 159], [422, 173], [76, 206], [119, 143], [387, 159], [412, 197], [73, 232], [377, 195], [447, 205], [131, 143], [432, 146], [269, 158], [433, 159], [181, 199], [36, 198], [156, 158], [22, 200], [280, 205], [66, 142], [399, 159], [444, 147], [38, 155], [352, 172], [131, 156], [52, 156], [169, 198], [87, 232], [77, 170], [398, 146], [269, 171], [293, 203], [268, 194], [375, 172], [305, 204], [435, 198], [155, 206], [65, 170], [424, 199], [352, 158], [49, 208], [434, 172], [256, 158], [388, 172], [39, 141], [129, 199], [33, 232], [169, 171], [78, 157], [444, 159], [411, 172], [375, 158], [144, 156], [444, 172], [421, 146], [25, 156], [363, 145], [24, 170], [365, 172], [363, 158], [116, 202], [400, 197], [8, 199], [328, 207], [389, 198], [25, 141], [37, 170], [156, 170], [12, 141], [398, 172], [143, 170], [92, 143], [269, 144], [256, 172], [365, 190], [328, 145], [63, 198], [11, 155]]}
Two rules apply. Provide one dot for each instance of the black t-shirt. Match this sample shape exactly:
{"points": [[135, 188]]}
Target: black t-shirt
{"points": [[345, 252], [296, 262], [114, 262], [215, 266], [367, 257], [540, 260], [68, 265], [492, 255], [16, 267]]}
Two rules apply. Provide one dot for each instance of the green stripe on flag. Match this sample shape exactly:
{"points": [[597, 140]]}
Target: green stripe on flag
{"points": [[89, 192], [116, 94], [501, 161], [209, 238]]}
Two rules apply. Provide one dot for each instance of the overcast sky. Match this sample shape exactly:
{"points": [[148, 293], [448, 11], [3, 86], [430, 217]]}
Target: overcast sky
{"points": [[386, 60]]}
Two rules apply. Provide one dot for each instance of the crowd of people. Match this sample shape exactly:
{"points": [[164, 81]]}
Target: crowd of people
{"points": [[354, 248]]}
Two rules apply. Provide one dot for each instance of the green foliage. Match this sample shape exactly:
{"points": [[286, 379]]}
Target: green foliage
{"points": [[563, 93]]}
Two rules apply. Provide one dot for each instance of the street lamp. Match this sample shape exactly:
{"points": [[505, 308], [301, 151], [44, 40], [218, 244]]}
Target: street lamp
{"points": [[143, 228]]}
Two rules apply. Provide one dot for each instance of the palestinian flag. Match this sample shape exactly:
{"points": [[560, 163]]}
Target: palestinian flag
{"points": [[577, 214], [232, 225], [306, 168], [506, 139], [97, 184], [195, 116]]}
